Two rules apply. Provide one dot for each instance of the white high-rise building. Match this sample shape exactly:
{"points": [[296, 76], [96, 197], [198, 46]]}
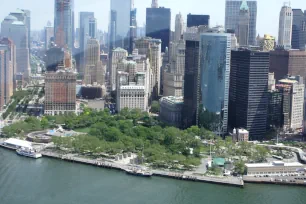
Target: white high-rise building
{"points": [[118, 54], [151, 48], [173, 80], [132, 85], [94, 69], [292, 88], [285, 26], [179, 27]]}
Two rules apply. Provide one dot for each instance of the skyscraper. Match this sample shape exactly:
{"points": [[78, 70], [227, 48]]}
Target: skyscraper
{"points": [[9, 69], [154, 4], [288, 62], [248, 92], [48, 35], [179, 27], [197, 20], [25, 17], [192, 76], [17, 31], [298, 29], [94, 72], [133, 28], [118, 54], [2, 79], [232, 9], [244, 25], [215, 56], [64, 23], [173, 80], [85, 28], [285, 26], [152, 49], [158, 25], [119, 27], [292, 88]]}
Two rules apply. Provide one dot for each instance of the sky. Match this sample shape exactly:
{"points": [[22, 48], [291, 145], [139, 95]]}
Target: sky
{"points": [[43, 11]]}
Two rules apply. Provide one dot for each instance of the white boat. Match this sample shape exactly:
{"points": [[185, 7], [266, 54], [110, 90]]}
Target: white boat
{"points": [[28, 152], [139, 172]]}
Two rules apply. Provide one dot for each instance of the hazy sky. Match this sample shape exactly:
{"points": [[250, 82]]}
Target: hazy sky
{"points": [[43, 10]]}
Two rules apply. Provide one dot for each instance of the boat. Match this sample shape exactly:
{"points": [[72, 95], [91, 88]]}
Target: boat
{"points": [[139, 172], [28, 152]]}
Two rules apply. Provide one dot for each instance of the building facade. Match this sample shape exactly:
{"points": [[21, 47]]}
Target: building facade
{"points": [[288, 62], [60, 92], [194, 20], [117, 55], [244, 25], [248, 92], [298, 29], [48, 36], [94, 70], [285, 27], [158, 25], [119, 27], [171, 110], [84, 35], [292, 88], [64, 23], [17, 31], [179, 27], [267, 43], [215, 61], [232, 9], [9, 68]]}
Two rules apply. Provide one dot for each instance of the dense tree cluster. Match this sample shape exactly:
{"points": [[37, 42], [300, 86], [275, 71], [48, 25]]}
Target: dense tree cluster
{"points": [[133, 131]]}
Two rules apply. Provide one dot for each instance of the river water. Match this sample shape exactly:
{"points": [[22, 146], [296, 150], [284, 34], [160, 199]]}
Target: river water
{"points": [[50, 181]]}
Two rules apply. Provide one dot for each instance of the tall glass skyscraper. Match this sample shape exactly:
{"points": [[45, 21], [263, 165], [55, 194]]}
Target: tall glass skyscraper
{"points": [[215, 57], [298, 29], [64, 23], [232, 9], [158, 25], [119, 27]]}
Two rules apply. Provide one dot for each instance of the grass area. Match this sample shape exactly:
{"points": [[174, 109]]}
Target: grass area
{"points": [[83, 130]]}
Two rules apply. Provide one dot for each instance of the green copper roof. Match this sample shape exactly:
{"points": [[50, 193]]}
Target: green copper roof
{"points": [[244, 5]]}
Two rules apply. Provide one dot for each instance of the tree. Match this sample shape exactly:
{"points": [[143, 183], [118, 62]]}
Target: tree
{"points": [[155, 107], [44, 123], [239, 167]]}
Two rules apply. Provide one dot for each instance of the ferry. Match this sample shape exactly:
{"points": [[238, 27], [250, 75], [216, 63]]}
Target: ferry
{"points": [[28, 152], [139, 172]]}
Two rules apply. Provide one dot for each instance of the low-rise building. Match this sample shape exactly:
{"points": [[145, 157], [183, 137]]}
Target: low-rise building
{"points": [[274, 168], [171, 110], [240, 135]]}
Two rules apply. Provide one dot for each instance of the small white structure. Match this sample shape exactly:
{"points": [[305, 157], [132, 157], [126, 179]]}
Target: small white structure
{"points": [[240, 135], [274, 168], [16, 144]]}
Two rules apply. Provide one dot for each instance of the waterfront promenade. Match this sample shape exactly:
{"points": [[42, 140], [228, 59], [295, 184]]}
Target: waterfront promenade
{"points": [[232, 181]]}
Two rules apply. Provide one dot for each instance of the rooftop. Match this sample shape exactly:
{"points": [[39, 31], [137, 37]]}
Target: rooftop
{"points": [[132, 87], [173, 99], [275, 163], [244, 5], [20, 143]]}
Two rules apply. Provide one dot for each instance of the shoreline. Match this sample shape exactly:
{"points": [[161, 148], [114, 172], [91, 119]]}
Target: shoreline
{"points": [[228, 181]]}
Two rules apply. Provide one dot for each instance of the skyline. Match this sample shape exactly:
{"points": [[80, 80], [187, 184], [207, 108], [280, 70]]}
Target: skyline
{"points": [[267, 22]]}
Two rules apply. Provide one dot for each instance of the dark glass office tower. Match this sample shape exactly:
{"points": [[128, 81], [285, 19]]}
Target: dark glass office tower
{"points": [[298, 29], [249, 92], [197, 20], [158, 25], [64, 23]]}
